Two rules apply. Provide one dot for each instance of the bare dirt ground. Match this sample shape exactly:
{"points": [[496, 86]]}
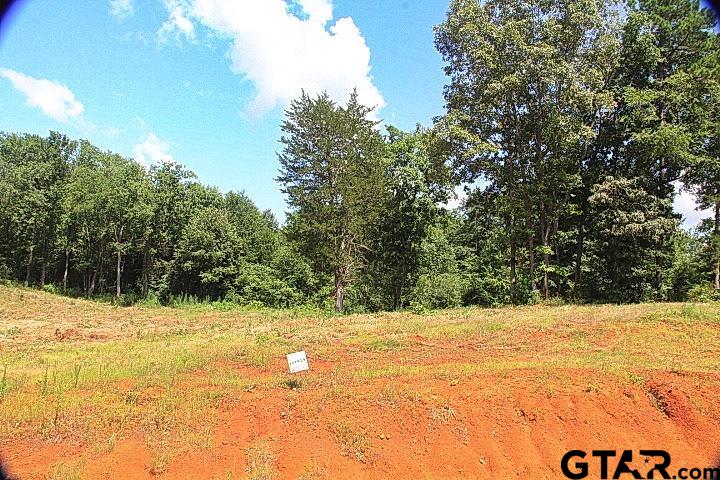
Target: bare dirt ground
{"points": [[98, 392]]}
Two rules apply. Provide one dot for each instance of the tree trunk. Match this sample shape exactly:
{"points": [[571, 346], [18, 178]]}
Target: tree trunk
{"points": [[93, 278], [96, 271], [339, 289], [65, 273], [510, 223], [556, 227], [513, 271], [531, 254], [42, 275], [102, 284], [117, 275], [29, 266], [147, 266], [118, 240], [579, 254], [546, 284], [717, 240], [544, 234], [398, 290], [397, 295]]}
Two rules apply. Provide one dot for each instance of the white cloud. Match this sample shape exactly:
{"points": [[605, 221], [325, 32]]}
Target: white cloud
{"points": [[282, 52], [178, 24], [121, 9], [319, 11], [53, 98], [684, 204], [152, 150]]}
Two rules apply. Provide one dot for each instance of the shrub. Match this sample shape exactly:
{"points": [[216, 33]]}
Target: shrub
{"points": [[704, 292], [445, 290]]}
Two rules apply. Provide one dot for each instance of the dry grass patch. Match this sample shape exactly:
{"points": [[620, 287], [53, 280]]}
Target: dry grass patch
{"points": [[354, 441], [167, 370], [260, 462]]}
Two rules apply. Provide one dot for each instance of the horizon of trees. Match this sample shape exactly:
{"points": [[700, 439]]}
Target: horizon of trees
{"points": [[569, 122]]}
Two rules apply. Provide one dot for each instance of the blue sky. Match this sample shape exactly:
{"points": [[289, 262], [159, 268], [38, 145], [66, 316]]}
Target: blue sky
{"points": [[182, 94], [204, 82]]}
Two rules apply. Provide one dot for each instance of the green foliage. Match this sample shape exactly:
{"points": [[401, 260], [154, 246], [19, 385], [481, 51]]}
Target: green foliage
{"points": [[630, 227], [332, 167], [688, 269], [95, 221], [443, 290], [704, 292], [570, 125], [556, 108]]}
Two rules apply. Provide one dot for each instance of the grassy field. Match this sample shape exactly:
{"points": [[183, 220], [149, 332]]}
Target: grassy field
{"points": [[83, 383]]}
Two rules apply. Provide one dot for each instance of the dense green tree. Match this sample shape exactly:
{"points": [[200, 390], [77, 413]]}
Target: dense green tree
{"points": [[702, 174], [208, 255], [661, 102], [630, 222], [170, 215], [108, 199], [332, 171], [417, 181], [441, 282], [688, 266], [570, 125], [525, 78], [34, 169]]}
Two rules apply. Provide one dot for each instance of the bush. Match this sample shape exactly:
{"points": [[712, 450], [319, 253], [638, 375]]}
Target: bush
{"points": [[704, 292], [487, 291], [257, 283], [52, 288], [152, 299], [445, 290]]}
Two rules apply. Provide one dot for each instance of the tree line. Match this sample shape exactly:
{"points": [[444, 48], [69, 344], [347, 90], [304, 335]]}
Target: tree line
{"points": [[571, 125]]}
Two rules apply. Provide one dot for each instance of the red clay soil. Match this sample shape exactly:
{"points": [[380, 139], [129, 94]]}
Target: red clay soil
{"points": [[513, 425]]}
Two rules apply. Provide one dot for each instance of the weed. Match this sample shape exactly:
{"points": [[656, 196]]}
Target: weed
{"points": [[382, 345], [10, 332], [388, 395], [67, 470], [44, 382], [657, 400], [260, 461], [76, 374], [160, 462], [3, 383], [312, 472], [593, 386], [292, 383], [443, 414], [353, 442]]}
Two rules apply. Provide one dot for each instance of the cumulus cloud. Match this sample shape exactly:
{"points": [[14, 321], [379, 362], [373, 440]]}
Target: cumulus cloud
{"points": [[53, 98], [121, 9], [283, 47], [152, 150], [178, 24]]}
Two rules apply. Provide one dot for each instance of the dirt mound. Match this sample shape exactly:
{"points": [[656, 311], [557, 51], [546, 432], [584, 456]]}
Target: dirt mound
{"points": [[485, 426], [91, 391]]}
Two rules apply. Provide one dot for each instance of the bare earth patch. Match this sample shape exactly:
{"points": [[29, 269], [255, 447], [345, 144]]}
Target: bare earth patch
{"points": [[471, 393]]}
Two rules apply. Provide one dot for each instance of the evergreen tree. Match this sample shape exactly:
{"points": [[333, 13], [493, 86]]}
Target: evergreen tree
{"points": [[332, 168]]}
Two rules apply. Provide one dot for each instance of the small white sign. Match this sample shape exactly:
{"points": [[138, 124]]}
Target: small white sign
{"points": [[297, 362]]}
